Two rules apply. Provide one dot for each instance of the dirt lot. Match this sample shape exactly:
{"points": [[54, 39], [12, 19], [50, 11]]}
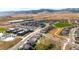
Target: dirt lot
{"points": [[44, 15], [47, 44], [7, 44]]}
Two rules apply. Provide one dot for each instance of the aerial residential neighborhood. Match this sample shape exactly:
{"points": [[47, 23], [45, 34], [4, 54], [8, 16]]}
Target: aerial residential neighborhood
{"points": [[42, 29], [39, 29]]}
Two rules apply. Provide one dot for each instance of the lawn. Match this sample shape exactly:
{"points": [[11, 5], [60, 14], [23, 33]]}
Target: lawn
{"points": [[2, 29], [61, 25]]}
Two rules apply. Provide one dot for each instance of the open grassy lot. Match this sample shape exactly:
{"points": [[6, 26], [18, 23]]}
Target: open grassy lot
{"points": [[2, 29], [61, 25], [46, 44]]}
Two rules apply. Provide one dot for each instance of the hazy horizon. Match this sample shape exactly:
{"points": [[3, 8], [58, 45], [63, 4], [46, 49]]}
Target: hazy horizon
{"points": [[26, 9]]}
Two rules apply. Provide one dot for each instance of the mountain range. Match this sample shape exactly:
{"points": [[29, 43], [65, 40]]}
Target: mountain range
{"points": [[73, 10]]}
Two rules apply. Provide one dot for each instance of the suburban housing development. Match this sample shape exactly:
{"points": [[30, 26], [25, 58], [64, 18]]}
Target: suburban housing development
{"points": [[43, 29]]}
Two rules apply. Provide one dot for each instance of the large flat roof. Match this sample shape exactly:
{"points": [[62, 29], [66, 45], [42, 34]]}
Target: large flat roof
{"points": [[16, 20]]}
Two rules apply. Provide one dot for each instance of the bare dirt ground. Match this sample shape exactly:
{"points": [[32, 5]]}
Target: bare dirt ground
{"points": [[8, 44], [39, 16], [46, 15], [42, 16], [55, 32]]}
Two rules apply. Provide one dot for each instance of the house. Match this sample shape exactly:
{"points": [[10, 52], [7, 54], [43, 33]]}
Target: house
{"points": [[31, 41], [65, 31], [27, 47], [23, 32]]}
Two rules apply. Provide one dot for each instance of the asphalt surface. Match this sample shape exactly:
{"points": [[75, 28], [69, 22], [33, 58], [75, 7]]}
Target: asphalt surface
{"points": [[25, 39], [71, 39]]}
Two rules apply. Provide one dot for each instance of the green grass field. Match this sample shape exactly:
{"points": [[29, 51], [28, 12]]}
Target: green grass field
{"points": [[2, 29], [61, 25]]}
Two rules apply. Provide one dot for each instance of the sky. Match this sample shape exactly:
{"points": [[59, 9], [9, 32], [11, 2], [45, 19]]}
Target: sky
{"points": [[11, 5]]}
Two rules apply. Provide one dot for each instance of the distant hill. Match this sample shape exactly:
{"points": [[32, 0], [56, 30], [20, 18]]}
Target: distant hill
{"points": [[49, 10], [35, 11], [73, 10]]}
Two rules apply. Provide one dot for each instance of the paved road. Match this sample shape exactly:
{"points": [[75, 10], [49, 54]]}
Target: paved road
{"points": [[65, 43], [25, 39], [37, 31], [72, 34], [71, 38], [63, 37]]}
